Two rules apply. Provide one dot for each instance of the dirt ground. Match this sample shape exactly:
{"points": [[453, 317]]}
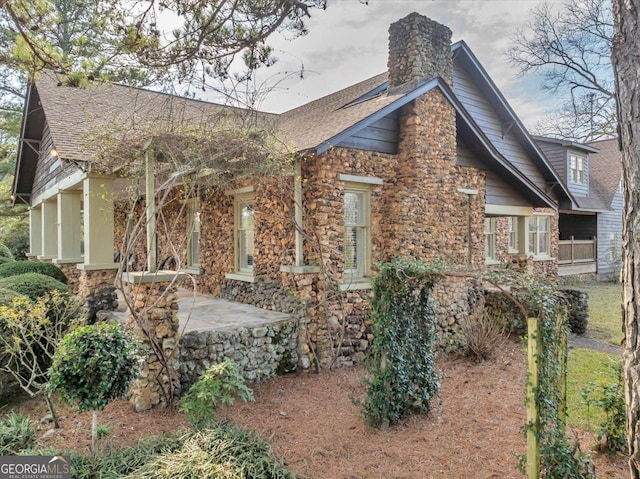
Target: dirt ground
{"points": [[473, 431]]}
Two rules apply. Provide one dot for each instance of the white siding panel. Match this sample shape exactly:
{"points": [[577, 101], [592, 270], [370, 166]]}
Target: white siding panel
{"points": [[610, 236]]}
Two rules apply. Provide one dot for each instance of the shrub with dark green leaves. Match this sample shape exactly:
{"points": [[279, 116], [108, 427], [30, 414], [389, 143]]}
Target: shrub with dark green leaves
{"points": [[32, 285], [93, 365], [404, 378], [20, 267]]}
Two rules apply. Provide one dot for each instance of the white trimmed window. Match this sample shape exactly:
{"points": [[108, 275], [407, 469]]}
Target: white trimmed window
{"points": [[193, 232], [512, 222], [244, 233], [357, 230], [539, 238], [490, 239], [577, 169]]}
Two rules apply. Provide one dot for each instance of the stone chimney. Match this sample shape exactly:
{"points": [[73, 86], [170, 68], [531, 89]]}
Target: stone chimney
{"points": [[419, 49]]}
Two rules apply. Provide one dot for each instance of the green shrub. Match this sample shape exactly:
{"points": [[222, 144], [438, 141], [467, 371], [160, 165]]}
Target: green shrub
{"points": [[20, 267], [612, 431], [93, 365], [219, 385], [5, 252], [4, 260], [403, 374], [16, 434], [32, 285], [17, 240]]}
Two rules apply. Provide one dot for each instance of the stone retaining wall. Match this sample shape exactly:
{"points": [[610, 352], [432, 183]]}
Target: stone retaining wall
{"points": [[259, 352]]}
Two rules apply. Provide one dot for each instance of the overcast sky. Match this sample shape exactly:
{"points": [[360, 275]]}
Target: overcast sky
{"points": [[348, 43]]}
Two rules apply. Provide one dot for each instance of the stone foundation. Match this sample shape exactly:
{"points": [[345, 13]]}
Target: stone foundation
{"points": [[259, 352], [96, 292], [72, 273], [155, 323]]}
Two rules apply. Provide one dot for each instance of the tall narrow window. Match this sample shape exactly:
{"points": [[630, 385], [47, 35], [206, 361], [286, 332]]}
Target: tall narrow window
{"points": [[193, 231], [356, 230], [513, 234], [244, 223], [490, 239], [538, 243], [577, 169]]}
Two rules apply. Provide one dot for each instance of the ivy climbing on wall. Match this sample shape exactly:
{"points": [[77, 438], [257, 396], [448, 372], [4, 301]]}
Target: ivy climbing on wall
{"points": [[403, 376]]}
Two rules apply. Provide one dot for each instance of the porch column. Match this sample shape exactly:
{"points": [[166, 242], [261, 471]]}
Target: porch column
{"points": [[97, 274], [98, 223], [49, 230], [69, 228], [35, 231]]}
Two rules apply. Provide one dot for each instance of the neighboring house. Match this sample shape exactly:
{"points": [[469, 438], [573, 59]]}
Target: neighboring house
{"points": [[591, 229], [426, 161]]}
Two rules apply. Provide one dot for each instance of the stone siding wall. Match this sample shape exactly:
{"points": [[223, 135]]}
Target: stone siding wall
{"points": [[259, 352], [72, 273], [155, 322], [456, 300], [419, 48], [96, 292]]}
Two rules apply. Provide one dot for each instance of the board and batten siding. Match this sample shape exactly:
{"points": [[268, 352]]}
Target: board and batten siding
{"points": [[498, 191], [484, 115], [381, 136], [578, 189], [610, 236], [48, 167]]}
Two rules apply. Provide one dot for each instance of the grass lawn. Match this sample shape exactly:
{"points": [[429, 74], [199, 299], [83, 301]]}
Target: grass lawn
{"points": [[591, 369], [605, 311]]}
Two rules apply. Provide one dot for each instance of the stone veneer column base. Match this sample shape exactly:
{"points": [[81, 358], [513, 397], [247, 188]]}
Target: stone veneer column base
{"points": [[154, 321], [96, 291]]}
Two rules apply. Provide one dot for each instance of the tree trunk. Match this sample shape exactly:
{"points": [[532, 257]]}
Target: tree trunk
{"points": [[626, 62]]}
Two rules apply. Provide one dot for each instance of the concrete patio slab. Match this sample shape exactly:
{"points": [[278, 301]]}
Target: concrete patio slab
{"points": [[202, 312]]}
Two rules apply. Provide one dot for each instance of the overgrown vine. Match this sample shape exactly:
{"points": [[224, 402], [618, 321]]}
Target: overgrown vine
{"points": [[559, 456], [403, 373]]}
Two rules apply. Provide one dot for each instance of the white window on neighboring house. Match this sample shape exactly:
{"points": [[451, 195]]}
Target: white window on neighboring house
{"points": [[193, 234], [512, 222], [539, 238], [490, 239], [577, 168], [244, 232], [357, 240]]}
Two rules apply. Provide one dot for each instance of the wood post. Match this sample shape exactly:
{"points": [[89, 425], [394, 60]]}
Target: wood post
{"points": [[533, 446], [562, 373]]}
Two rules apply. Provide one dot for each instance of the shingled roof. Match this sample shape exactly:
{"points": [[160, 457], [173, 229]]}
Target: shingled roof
{"points": [[77, 116], [605, 169]]}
